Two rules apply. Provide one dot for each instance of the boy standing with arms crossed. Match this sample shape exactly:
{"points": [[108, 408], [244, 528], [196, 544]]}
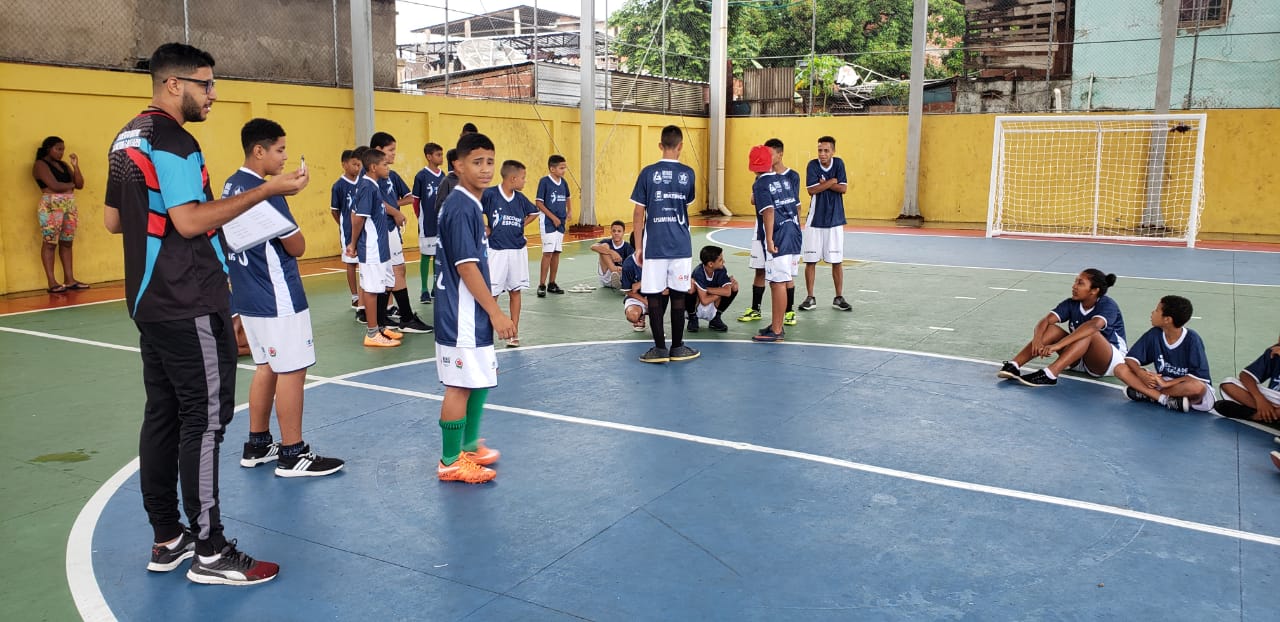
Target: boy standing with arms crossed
{"points": [[507, 211], [466, 317], [553, 202], [823, 237]]}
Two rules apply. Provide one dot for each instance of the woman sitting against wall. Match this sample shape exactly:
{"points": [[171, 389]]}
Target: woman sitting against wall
{"points": [[58, 219]]}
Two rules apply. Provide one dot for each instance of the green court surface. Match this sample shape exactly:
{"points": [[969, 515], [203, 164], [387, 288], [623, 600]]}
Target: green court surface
{"points": [[72, 396]]}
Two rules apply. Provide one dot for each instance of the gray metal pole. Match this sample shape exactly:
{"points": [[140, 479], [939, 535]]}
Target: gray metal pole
{"points": [[448, 58], [915, 103], [719, 79], [1152, 214], [813, 47], [362, 67], [1164, 66], [587, 114]]}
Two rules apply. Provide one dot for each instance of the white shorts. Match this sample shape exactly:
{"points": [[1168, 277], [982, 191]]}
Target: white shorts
{"points": [[781, 268], [823, 244], [659, 274], [467, 368], [1272, 395], [508, 270], [707, 312], [1117, 359], [427, 245], [397, 248], [552, 242], [376, 277], [757, 256], [629, 302], [284, 343], [343, 252]]}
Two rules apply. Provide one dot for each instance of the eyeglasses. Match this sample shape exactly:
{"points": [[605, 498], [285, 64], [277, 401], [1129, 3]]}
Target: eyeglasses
{"points": [[207, 84]]}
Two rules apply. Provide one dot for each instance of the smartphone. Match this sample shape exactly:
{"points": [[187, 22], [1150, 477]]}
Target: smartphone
{"points": [[302, 163]]}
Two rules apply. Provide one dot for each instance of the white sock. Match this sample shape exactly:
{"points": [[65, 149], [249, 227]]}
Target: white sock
{"points": [[210, 559], [1164, 399], [1049, 373], [172, 545]]}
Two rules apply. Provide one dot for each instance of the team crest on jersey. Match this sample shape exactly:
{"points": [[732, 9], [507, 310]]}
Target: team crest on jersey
{"points": [[657, 177], [684, 178]]}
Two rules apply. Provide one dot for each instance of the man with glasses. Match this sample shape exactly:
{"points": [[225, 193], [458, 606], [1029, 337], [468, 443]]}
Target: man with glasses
{"points": [[176, 290]]}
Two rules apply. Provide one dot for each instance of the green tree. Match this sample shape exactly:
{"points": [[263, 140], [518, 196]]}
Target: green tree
{"points": [[688, 36]]}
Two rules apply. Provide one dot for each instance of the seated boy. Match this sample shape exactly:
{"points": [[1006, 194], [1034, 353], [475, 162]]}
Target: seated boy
{"points": [[636, 305], [1180, 381], [713, 290], [612, 251], [1255, 395]]}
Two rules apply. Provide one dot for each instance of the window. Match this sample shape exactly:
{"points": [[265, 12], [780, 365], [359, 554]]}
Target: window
{"points": [[1197, 14]]}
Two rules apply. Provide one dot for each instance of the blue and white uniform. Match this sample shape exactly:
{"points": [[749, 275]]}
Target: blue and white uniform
{"points": [[508, 248], [341, 198], [266, 291], [623, 250], [758, 258], [373, 247], [555, 197], [1266, 373], [1184, 357], [703, 282], [779, 192], [463, 331], [824, 226], [632, 274], [665, 190], [394, 189], [425, 185], [1074, 314]]}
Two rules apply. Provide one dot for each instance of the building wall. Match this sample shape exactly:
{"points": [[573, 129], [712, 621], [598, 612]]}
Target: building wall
{"points": [[1236, 71]]}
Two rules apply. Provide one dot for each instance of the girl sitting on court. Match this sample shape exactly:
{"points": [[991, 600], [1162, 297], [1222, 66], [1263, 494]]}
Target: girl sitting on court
{"points": [[1093, 341]]}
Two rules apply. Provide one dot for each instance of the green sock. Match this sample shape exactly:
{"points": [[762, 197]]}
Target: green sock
{"points": [[424, 271], [451, 440], [475, 410]]}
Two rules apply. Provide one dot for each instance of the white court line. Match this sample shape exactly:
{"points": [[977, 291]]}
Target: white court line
{"points": [[942, 328], [1007, 289], [870, 291], [965, 298]]}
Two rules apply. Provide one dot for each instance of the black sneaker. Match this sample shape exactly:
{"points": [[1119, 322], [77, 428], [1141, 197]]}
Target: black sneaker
{"points": [[414, 325], [552, 288], [425, 298], [693, 325], [1233, 409], [1037, 379], [1135, 395], [232, 568], [307, 464], [1180, 404], [840, 303], [542, 291], [683, 353], [767, 335], [809, 303], [717, 324], [355, 302], [393, 314], [164, 559], [259, 454], [655, 355], [360, 317], [1009, 371]]}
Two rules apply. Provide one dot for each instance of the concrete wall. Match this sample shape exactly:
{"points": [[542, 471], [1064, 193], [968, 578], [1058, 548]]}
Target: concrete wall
{"points": [[1235, 71]]}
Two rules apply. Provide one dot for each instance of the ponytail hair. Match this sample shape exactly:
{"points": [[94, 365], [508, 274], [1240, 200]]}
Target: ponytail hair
{"points": [[46, 146], [1099, 280]]}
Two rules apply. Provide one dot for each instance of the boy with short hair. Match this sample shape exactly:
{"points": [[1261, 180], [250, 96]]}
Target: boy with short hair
{"points": [[634, 305], [777, 202], [553, 202], [467, 316], [340, 197], [276, 320], [397, 194], [370, 243], [612, 251], [1181, 378], [823, 235], [1255, 394], [507, 211], [425, 185], [759, 247], [713, 290]]}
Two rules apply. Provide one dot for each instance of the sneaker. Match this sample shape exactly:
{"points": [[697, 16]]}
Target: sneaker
{"points": [[750, 315], [414, 324], [717, 325], [360, 317], [355, 302], [655, 355], [789, 319], [552, 288], [391, 333], [232, 568], [164, 559], [1037, 378], [766, 336], [513, 342], [425, 298], [307, 464], [1009, 371], [809, 303], [259, 454], [615, 279], [1180, 404], [638, 327], [1135, 395], [483, 455], [380, 341], [1275, 458], [464, 470], [393, 314], [1233, 409], [683, 353], [542, 291], [693, 325], [840, 303]]}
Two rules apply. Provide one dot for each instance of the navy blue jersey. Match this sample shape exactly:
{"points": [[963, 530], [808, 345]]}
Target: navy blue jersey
{"points": [[630, 272], [826, 209], [665, 189], [425, 186], [450, 182], [623, 251], [778, 191], [460, 321], [554, 197], [399, 189], [719, 278], [1266, 370], [264, 278], [372, 241], [1186, 357], [341, 198], [505, 216], [1074, 314]]}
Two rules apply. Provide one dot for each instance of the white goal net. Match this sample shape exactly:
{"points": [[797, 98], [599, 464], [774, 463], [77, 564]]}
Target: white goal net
{"points": [[1119, 177]]}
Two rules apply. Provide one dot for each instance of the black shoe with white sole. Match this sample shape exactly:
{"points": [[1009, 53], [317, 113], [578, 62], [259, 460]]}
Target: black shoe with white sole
{"points": [[259, 454], [164, 559], [307, 464], [1009, 371], [1135, 395], [1037, 379]]}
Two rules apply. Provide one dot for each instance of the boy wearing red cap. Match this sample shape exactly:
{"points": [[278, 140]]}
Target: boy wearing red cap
{"points": [[775, 194]]}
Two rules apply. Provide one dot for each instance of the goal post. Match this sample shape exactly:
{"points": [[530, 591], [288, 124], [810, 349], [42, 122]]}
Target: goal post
{"points": [[1112, 177]]}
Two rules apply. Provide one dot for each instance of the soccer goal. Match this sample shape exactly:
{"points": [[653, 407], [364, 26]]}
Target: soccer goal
{"points": [[1117, 177]]}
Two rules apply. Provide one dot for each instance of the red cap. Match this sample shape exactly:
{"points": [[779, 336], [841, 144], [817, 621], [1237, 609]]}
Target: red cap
{"points": [[760, 159]]}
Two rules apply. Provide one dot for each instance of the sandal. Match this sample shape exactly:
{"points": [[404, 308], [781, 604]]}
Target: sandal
{"points": [[78, 286], [57, 289]]}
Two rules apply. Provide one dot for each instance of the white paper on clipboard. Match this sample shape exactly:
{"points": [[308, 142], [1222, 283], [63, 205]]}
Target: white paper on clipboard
{"points": [[260, 223]]}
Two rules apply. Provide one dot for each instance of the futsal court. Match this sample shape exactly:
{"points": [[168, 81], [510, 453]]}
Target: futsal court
{"points": [[870, 467]]}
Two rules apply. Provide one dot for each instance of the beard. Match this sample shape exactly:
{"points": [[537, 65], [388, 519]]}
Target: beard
{"points": [[192, 112]]}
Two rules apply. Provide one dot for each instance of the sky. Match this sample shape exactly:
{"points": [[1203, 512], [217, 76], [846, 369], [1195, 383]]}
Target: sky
{"points": [[411, 14]]}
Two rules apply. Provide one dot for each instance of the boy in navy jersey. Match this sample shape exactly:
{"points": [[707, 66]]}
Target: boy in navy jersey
{"points": [[1181, 378], [662, 195], [340, 197], [370, 243], [553, 202], [467, 316], [635, 306], [775, 195], [425, 185], [713, 290], [397, 195], [507, 211], [826, 183], [266, 291], [612, 251], [1255, 394]]}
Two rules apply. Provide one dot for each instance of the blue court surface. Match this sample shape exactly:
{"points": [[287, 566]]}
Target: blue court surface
{"points": [[785, 482]]}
